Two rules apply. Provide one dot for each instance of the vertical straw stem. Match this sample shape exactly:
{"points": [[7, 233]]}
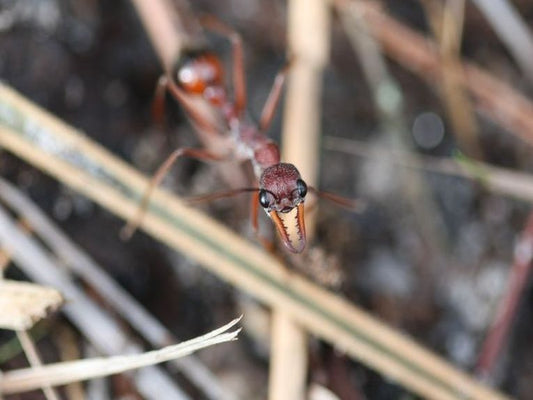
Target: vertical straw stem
{"points": [[308, 42]]}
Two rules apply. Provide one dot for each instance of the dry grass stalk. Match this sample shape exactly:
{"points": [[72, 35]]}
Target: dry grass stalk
{"points": [[62, 373], [308, 45], [514, 184], [73, 159], [492, 97], [288, 358], [23, 304]]}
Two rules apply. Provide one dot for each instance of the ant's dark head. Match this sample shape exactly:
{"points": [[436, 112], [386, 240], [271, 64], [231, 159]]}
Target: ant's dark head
{"points": [[282, 193], [198, 70]]}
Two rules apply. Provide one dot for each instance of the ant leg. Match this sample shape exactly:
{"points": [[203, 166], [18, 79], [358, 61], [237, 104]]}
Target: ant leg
{"points": [[239, 79], [273, 99], [267, 244], [158, 106], [129, 229]]}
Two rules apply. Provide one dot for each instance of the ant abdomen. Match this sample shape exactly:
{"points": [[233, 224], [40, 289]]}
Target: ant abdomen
{"points": [[198, 71]]}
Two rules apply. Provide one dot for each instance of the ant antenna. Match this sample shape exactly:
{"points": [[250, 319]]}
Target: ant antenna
{"points": [[351, 205]]}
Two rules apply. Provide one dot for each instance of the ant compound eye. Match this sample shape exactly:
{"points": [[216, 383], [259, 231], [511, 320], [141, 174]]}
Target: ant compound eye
{"points": [[263, 198], [302, 188]]}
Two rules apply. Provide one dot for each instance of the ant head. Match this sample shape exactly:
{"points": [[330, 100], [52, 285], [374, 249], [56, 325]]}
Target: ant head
{"points": [[282, 193], [198, 70]]}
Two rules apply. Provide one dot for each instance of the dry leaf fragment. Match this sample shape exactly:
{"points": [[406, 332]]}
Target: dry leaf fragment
{"points": [[22, 304]]}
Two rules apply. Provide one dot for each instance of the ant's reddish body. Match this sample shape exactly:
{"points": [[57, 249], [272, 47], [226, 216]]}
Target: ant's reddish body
{"points": [[281, 190]]}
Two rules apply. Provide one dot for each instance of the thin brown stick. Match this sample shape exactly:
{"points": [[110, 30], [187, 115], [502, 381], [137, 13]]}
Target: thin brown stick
{"points": [[505, 315]]}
